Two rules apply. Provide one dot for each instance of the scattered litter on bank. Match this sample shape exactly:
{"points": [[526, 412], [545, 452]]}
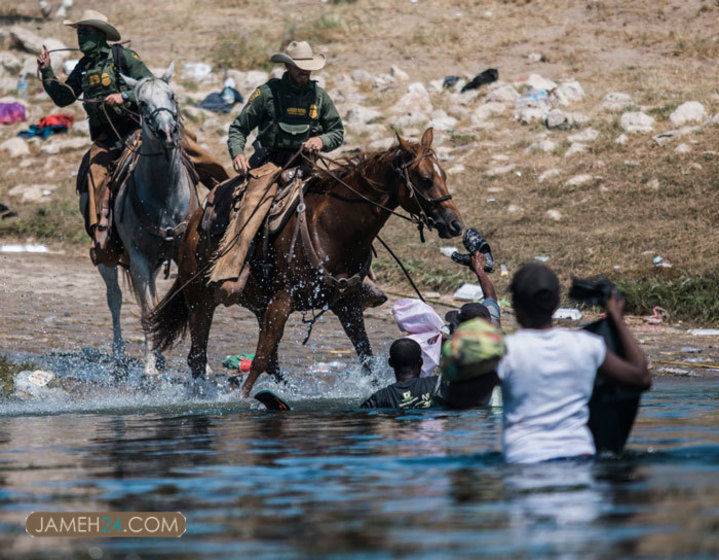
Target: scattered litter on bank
{"points": [[6, 213], [659, 314], [448, 251], [704, 332], [10, 113], [469, 292], [567, 313], [240, 362], [23, 248], [659, 262]]}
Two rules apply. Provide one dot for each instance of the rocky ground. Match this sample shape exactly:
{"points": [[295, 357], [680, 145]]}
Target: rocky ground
{"points": [[595, 148]]}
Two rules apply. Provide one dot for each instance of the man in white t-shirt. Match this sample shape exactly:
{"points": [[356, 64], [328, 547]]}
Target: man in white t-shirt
{"points": [[547, 376]]}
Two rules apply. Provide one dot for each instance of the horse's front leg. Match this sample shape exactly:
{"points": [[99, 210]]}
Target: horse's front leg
{"points": [[114, 302], [349, 312], [202, 306], [273, 365], [273, 327], [143, 280]]}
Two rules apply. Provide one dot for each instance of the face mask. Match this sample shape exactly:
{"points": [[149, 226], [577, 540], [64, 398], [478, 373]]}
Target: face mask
{"points": [[90, 39]]}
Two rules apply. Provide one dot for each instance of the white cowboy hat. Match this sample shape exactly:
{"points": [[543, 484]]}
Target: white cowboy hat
{"points": [[91, 18], [299, 53]]}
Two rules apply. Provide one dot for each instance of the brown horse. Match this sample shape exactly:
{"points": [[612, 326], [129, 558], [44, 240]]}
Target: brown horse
{"points": [[339, 218]]}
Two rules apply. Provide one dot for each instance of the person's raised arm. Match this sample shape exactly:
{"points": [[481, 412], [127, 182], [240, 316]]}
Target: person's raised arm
{"points": [[477, 265], [631, 370]]}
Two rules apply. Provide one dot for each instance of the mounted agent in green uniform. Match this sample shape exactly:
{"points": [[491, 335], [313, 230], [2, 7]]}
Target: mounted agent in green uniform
{"points": [[290, 113], [110, 106]]}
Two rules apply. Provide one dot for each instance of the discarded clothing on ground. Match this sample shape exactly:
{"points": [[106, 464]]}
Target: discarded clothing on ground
{"points": [[221, 102], [241, 362], [6, 213], [487, 77], [450, 81], [52, 124], [10, 113]]}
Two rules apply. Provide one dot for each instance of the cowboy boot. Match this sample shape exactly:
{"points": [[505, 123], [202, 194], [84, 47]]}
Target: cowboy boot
{"points": [[102, 231]]}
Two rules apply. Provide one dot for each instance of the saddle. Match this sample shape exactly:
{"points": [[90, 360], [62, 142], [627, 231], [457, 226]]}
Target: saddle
{"points": [[228, 195]]}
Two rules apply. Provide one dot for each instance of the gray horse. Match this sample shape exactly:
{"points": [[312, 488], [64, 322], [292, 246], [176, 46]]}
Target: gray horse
{"points": [[151, 211]]}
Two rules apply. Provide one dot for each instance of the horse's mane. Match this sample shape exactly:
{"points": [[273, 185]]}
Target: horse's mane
{"points": [[351, 167]]}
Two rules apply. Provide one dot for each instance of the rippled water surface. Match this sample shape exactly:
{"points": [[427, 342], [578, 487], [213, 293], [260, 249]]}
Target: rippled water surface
{"points": [[332, 481]]}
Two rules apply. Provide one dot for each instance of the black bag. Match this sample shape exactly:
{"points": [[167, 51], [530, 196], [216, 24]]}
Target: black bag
{"points": [[612, 408]]}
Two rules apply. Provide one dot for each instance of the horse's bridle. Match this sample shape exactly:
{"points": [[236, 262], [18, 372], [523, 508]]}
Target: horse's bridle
{"points": [[401, 167], [151, 121]]}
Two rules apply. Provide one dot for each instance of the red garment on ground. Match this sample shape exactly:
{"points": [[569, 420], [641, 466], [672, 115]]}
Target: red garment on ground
{"points": [[62, 119]]}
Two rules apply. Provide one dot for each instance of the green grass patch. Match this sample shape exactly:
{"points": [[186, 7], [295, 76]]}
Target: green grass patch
{"points": [[8, 369], [59, 221], [690, 298], [663, 111], [425, 275]]}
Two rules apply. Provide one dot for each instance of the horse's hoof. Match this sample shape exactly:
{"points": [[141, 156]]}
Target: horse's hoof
{"points": [[149, 382], [120, 371], [160, 363]]}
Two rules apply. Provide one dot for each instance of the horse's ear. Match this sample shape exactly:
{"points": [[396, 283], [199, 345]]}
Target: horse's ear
{"points": [[427, 138], [132, 82], [403, 144], [167, 76]]}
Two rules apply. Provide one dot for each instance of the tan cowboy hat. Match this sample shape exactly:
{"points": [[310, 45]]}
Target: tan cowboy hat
{"points": [[91, 18], [299, 53]]}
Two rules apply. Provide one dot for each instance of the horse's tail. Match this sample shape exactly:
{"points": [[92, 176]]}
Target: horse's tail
{"points": [[167, 323]]}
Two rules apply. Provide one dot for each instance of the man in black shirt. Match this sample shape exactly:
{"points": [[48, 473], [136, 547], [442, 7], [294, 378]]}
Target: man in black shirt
{"points": [[410, 390]]}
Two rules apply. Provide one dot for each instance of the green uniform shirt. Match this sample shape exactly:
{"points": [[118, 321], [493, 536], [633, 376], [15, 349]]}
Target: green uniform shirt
{"points": [[95, 77], [285, 127]]}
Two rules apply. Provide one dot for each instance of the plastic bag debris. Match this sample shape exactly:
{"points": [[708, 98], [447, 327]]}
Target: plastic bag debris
{"points": [[704, 332], [567, 313], [447, 251], [40, 378], [659, 262], [196, 70], [469, 292], [23, 248]]}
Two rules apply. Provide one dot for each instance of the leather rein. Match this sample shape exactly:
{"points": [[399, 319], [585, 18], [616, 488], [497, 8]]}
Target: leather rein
{"points": [[354, 282]]}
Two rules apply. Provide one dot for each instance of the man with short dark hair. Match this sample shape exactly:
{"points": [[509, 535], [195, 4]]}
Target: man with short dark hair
{"points": [[548, 374], [410, 390]]}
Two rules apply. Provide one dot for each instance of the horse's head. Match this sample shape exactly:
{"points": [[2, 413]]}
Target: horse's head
{"points": [[158, 108], [424, 193]]}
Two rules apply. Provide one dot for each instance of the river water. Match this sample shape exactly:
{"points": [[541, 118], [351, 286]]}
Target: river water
{"points": [[327, 479]]}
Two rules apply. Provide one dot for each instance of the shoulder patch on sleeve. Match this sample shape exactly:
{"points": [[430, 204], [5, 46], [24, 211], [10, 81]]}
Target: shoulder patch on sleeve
{"points": [[133, 54], [255, 95]]}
